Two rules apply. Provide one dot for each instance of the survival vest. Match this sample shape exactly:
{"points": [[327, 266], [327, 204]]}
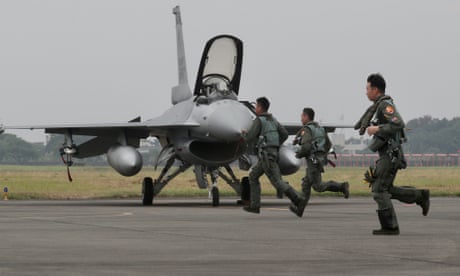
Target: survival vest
{"points": [[269, 136], [319, 141]]}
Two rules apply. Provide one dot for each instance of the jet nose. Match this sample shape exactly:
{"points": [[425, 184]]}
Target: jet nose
{"points": [[229, 120]]}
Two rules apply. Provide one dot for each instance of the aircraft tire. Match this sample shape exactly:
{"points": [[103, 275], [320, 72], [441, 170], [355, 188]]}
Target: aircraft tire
{"points": [[147, 191], [215, 196]]}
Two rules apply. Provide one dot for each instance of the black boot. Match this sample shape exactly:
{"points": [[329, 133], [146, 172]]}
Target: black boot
{"points": [[386, 222], [253, 206], [346, 189], [298, 202], [251, 209], [425, 202]]}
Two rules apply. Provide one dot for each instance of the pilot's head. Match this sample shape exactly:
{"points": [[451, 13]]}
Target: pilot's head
{"points": [[308, 115], [375, 86], [262, 105]]}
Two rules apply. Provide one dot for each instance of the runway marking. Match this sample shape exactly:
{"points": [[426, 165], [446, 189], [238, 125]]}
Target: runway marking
{"points": [[124, 214], [276, 209]]}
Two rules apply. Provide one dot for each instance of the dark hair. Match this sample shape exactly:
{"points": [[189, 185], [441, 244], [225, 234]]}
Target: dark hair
{"points": [[264, 103], [376, 80], [309, 112]]}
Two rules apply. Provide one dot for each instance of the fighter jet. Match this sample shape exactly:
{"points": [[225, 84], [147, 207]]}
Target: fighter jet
{"points": [[202, 129]]}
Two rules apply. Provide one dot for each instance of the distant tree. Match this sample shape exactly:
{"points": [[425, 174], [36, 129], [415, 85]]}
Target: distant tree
{"points": [[149, 151], [56, 141], [14, 150], [429, 135]]}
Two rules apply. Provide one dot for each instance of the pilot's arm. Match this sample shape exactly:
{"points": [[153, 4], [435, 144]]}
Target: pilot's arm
{"points": [[392, 124], [283, 133], [305, 143], [253, 133]]}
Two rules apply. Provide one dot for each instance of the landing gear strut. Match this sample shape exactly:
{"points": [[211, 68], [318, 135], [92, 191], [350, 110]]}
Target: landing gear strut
{"points": [[152, 188]]}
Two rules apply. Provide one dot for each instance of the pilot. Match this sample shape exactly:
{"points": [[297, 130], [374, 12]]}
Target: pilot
{"points": [[387, 134], [314, 146], [267, 135]]}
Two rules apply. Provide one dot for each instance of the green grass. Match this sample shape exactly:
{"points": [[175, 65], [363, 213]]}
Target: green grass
{"points": [[50, 182]]}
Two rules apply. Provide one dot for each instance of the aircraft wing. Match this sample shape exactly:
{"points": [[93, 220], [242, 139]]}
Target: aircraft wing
{"points": [[106, 135], [174, 118], [292, 128], [136, 129]]}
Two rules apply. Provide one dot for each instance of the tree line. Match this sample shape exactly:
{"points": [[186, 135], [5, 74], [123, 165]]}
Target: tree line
{"points": [[428, 135], [15, 151]]}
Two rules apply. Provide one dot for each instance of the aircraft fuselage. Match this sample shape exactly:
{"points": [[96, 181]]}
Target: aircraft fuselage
{"points": [[217, 140]]}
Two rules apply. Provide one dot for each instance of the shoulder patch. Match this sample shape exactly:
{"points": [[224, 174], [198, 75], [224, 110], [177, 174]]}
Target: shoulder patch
{"points": [[390, 109]]}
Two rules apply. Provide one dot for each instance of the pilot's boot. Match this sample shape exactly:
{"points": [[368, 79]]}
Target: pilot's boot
{"points": [[424, 201], [388, 222], [333, 186], [298, 202], [254, 205], [345, 189], [252, 209], [245, 192]]}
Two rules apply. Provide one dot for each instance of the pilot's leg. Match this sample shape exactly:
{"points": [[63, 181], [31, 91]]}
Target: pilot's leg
{"points": [[256, 172], [273, 173], [313, 179], [306, 187], [333, 186], [307, 184], [385, 210], [409, 194]]}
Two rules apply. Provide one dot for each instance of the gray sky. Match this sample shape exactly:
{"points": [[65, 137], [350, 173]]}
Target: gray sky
{"points": [[91, 61]]}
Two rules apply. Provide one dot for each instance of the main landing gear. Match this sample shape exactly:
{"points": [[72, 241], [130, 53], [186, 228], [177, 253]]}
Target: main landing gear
{"points": [[151, 188]]}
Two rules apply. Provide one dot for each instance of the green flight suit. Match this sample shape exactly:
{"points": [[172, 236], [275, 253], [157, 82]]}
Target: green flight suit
{"points": [[267, 157], [390, 161], [312, 137]]}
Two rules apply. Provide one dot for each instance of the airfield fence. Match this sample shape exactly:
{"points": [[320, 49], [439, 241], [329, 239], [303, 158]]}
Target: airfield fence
{"points": [[413, 160]]}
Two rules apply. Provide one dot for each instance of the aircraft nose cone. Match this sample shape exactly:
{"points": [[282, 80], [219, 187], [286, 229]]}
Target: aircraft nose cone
{"points": [[228, 120]]}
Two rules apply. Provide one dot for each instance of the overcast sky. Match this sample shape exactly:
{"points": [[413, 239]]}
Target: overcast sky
{"points": [[91, 61]]}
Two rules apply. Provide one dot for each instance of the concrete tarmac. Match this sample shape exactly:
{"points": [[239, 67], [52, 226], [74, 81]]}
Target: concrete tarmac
{"points": [[189, 237]]}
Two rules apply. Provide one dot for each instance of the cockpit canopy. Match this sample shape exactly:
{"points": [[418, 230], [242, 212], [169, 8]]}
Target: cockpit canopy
{"points": [[220, 66]]}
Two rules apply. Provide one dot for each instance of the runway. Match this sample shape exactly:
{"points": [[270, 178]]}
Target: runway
{"points": [[189, 237]]}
